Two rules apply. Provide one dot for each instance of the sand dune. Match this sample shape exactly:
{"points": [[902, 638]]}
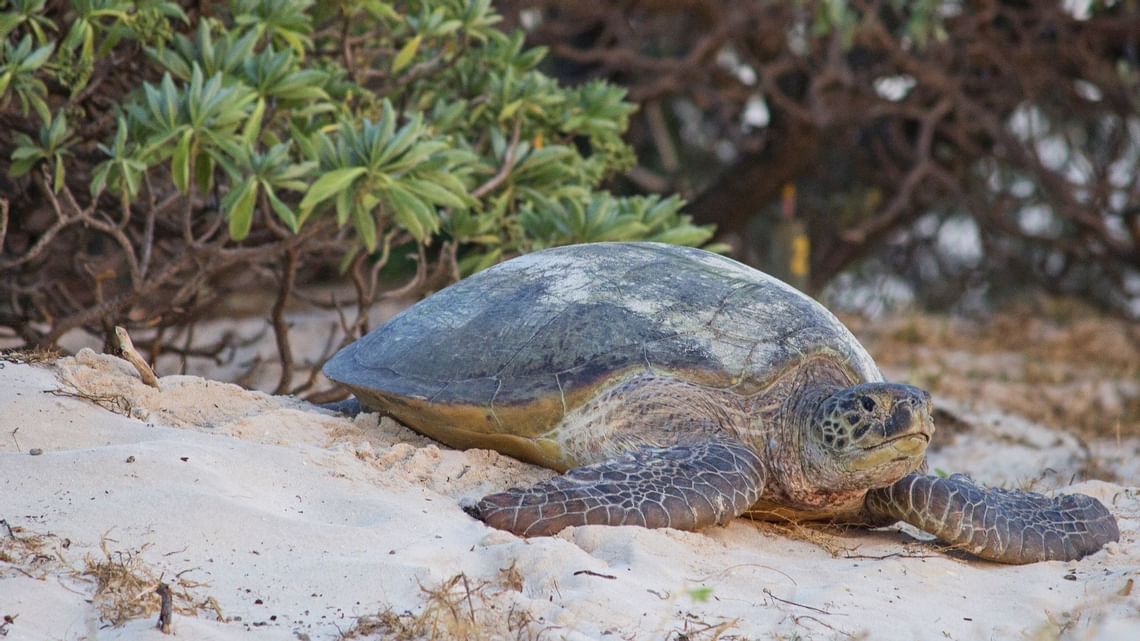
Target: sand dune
{"points": [[272, 519]]}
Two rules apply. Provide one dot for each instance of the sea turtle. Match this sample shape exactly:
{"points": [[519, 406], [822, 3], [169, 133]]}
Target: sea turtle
{"points": [[678, 388]]}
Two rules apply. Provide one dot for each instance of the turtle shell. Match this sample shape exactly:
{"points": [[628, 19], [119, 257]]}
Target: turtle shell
{"points": [[511, 349]]}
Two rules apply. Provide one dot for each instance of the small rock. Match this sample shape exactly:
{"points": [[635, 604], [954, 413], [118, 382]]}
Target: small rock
{"points": [[35, 451]]}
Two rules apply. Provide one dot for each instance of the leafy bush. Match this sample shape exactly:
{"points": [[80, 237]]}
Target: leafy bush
{"points": [[162, 158]]}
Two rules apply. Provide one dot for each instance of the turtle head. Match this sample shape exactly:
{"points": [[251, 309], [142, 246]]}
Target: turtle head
{"points": [[868, 435]]}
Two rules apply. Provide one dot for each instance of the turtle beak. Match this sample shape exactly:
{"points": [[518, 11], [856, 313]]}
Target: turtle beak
{"points": [[903, 452], [913, 415], [900, 422], [906, 431]]}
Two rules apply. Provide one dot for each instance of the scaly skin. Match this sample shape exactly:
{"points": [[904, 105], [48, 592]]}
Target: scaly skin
{"points": [[686, 486], [856, 437], [1007, 526]]}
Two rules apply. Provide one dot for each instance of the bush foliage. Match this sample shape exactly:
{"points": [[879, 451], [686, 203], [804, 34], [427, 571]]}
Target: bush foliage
{"points": [[164, 153]]}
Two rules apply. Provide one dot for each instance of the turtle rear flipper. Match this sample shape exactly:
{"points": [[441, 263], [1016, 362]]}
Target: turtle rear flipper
{"points": [[1007, 526], [686, 486]]}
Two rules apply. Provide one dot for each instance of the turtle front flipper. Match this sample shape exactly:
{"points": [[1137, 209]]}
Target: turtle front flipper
{"points": [[686, 486], [1007, 526]]}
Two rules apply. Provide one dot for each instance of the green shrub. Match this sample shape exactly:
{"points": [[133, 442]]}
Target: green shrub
{"points": [[161, 158]]}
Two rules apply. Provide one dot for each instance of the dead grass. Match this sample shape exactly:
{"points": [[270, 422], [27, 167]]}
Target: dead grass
{"points": [[30, 356], [815, 533], [692, 627], [459, 608], [125, 588], [830, 537], [32, 554], [1064, 367], [465, 609], [124, 585]]}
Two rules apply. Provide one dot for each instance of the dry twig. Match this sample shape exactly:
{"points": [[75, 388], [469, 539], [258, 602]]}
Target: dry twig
{"points": [[166, 608], [132, 356]]}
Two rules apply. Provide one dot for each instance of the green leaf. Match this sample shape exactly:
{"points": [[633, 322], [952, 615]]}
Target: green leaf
{"points": [[36, 59], [684, 235], [204, 171], [99, 178], [41, 107], [180, 164], [282, 210], [404, 138], [509, 109], [58, 131], [21, 167], [433, 193], [57, 181], [387, 120], [253, 123], [418, 154], [241, 211], [412, 214], [381, 10], [701, 594], [407, 52], [344, 204], [347, 259], [8, 22], [329, 185], [475, 263], [445, 180], [448, 27], [365, 225]]}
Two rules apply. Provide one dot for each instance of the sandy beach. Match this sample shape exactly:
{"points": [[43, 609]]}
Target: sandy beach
{"points": [[273, 519]]}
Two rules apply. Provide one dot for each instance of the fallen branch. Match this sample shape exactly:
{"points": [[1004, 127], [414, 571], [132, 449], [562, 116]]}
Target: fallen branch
{"points": [[166, 609], [8, 620], [592, 573], [133, 357], [110, 402], [280, 326]]}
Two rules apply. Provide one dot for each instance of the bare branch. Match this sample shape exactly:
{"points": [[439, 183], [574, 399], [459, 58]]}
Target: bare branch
{"points": [[127, 348], [505, 168], [280, 327]]}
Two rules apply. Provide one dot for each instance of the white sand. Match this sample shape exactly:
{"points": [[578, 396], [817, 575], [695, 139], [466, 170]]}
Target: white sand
{"points": [[298, 523]]}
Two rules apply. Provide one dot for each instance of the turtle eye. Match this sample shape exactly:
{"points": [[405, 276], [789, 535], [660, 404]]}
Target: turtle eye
{"points": [[868, 403]]}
